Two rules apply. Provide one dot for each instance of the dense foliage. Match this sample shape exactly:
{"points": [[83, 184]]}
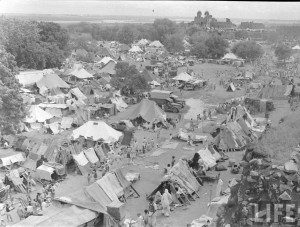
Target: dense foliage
{"points": [[12, 109], [34, 45], [128, 79], [248, 50], [283, 52]]}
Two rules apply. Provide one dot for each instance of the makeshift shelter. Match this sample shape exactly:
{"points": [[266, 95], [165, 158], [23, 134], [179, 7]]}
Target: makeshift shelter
{"points": [[143, 42], [9, 156], [231, 87], [106, 60], [135, 49], [97, 130], [76, 93], [230, 56], [207, 157], [277, 92], [146, 109], [36, 114], [109, 68], [80, 73], [184, 76], [156, 44], [51, 81], [296, 48], [119, 102], [29, 78]]}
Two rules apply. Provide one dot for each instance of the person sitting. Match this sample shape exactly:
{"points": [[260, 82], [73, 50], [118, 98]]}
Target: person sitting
{"points": [[235, 169], [181, 196]]}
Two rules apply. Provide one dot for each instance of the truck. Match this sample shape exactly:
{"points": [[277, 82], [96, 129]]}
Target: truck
{"points": [[167, 100]]}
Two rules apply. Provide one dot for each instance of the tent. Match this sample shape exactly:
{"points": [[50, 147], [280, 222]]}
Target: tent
{"points": [[9, 156], [96, 192], [51, 81], [230, 56], [28, 78], [36, 114], [142, 42], [135, 49], [119, 102], [207, 157], [106, 60], [80, 73], [231, 87], [184, 76], [156, 44], [297, 47], [77, 93], [276, 92], [44, 172], [109, 68], [146, 109], [97, 130]]}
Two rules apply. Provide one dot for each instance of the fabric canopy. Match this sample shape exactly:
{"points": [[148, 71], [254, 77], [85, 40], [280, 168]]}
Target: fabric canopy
{"points": [[146, 109], [51, 81], [183, 77], [36, 114], [135, 49], [97, 130]]}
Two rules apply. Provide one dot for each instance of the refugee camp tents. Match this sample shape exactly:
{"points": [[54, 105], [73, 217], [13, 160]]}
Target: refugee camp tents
{"points": [[156, 44], [135, 49], [97, 130], [36, 114], [184, 76], [50, 81], [28, 78], [9, 156], [277, 92], [146, 109], [108, 69], [106, 60], [207, 157], [231, 87], [77, 93], [80, 73], [44, 172], [143, 42]]}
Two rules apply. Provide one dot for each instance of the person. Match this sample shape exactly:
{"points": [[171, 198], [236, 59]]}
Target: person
{"points": [[8, 215], [39, 199], [170, 137], [219, 187], [144, 145], [140, 221], [44, 204], [6, 145], [190, 141], [168, 168], [192, 124], [89, 178], [146, 218], [180, 195], [166, 200], [173, 161], [95, 175], [157, 197], [209, 114], [199, 117], [152, 212], [20, 212], [152, 144]]}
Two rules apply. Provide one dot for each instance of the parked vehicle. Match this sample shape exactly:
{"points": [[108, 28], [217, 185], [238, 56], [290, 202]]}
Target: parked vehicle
{"points": [[167, 101]]}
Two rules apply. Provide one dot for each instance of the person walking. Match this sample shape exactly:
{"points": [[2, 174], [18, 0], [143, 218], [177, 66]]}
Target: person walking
{"points": [[166, 200], [8, 215]]}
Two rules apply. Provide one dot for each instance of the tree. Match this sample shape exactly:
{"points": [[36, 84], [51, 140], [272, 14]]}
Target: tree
{"points": [[241, 34], [200, 36], [163, 27], [126, 34], [199, 50], [248, 50], [12, 109], [283, 52], [216, 46], [33, 46], [128, 79], [174, 42]]}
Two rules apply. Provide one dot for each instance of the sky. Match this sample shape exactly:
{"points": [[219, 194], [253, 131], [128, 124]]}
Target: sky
{"points": [[240, 10]]}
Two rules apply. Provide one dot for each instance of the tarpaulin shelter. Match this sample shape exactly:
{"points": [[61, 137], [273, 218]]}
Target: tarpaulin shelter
{"points": [[109, 68], [184, 76], [44, 172], [156, 44], [106, 60], [231, 87], [80, 73], [119, 102], [77, 94], [97, 130], [207, 157], [9, 156], [146, 109], [135, 49], [277, 92], [29, 78], [51, 81], [36, 114]]}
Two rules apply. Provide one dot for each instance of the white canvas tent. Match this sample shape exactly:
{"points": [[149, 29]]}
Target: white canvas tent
{"points": [[28, 78], [230, 56], [80, 73], [106, 60], [36, 114], [97, 130], [156, 43], [297, 47], [184, 76], [135, 49]]}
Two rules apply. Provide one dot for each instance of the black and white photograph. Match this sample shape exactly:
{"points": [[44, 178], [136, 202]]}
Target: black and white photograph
{"points": [[149, 113]]}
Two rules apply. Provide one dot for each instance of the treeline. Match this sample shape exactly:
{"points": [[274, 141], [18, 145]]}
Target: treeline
{"points": [[34, 45]]}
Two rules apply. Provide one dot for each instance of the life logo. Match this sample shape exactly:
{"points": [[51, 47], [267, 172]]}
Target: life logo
{"points": [[283, 213]]}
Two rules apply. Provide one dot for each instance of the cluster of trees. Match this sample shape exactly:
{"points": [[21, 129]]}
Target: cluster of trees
{"points": [[35, 45], [208, 45], [283, 52], [129, 80], [248, 50], [12, 109]]}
